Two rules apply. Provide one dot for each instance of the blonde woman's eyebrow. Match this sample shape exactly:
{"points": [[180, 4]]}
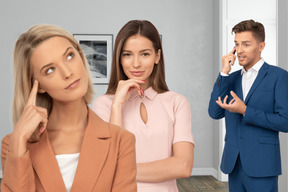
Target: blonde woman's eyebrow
{"points": [[47, 65], [67, 50]]}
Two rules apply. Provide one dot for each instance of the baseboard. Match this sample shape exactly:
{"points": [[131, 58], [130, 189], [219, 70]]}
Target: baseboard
{"points": [[205, 171]]}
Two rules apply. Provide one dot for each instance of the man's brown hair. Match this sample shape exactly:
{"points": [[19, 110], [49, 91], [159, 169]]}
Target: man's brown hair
{"points": [[256, 28]]}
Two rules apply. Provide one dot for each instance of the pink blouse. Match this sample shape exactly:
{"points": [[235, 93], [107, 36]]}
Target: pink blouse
{"points": [[169, 121]]}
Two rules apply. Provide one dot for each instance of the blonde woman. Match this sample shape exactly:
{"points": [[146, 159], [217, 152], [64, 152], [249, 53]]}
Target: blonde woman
{"points": [[139, 100], [58, 143]]}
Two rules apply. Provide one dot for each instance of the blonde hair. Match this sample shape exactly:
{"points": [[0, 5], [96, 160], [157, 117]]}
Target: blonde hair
{"points": [[23, 72]]}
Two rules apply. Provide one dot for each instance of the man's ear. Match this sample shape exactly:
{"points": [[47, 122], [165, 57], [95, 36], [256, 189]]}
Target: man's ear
{"points": [[262, 45]]}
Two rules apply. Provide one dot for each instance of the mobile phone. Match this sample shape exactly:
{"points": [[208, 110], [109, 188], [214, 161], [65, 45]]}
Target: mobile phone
{"points": [[234, 54]]}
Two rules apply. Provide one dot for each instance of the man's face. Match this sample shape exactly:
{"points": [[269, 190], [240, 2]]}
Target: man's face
{"points": [[248, 49]]}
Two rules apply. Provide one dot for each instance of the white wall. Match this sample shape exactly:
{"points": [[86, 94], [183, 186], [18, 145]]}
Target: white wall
{"points": [[187, 35]]}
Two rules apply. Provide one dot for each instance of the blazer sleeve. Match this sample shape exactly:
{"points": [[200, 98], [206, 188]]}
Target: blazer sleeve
{"points": [[220, 89], [278, 120], [125, 175], [18, 174]]}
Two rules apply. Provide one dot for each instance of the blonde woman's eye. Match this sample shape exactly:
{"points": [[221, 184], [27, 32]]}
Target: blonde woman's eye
{"points": [[70, 56], [50, 70]]}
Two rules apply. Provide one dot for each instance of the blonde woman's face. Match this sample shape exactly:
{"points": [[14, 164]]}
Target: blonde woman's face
{"points": [[138, 58], [59, 69]]}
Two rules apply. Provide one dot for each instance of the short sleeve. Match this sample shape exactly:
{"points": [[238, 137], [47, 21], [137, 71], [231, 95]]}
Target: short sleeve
{"points": [[102, 106], [182, 124]]}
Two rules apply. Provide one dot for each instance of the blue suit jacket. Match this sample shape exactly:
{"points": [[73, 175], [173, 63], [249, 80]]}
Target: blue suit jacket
{"points": [[255, 136]]}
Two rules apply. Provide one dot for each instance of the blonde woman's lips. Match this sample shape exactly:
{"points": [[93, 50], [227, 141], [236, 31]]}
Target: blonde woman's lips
{"points": [[73, 84]]}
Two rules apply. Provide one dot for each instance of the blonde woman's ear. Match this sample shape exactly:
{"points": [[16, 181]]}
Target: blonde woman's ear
{"points": [[40, 90]]}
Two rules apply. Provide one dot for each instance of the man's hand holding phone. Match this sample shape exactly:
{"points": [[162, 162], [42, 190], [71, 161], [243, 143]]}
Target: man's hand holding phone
{"points": [[228, 61]]}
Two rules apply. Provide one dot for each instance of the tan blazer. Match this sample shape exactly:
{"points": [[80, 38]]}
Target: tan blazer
{"points": [[107, 162]]}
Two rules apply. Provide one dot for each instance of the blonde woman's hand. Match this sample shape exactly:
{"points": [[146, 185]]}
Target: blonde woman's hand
{"points": [[125, 89], [31, 124]]}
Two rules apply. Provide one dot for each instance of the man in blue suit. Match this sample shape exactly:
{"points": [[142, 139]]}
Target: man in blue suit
{"points": [[254, 102]]}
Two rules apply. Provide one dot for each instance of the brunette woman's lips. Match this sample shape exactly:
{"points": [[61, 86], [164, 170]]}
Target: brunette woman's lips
{"points": [[136, 73], [74, 84]]}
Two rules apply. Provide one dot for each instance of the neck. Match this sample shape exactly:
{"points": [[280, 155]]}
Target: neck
{"points": [[68, 116], [145, 85], [247, 67]]}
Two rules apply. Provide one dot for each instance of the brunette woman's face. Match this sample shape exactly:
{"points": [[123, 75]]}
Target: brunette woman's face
{"points": [[60, 70], [138, 58]]}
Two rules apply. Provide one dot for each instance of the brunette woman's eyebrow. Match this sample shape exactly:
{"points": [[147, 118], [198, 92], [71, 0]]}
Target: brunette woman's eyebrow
{"points": [[146, 50], [139, 51]]}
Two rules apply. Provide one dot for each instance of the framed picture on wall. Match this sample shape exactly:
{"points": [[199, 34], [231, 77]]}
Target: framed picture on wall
{"points": [[98, 51]]}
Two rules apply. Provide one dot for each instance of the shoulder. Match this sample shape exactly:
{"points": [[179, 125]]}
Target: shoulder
{"points": [[173, 96], [274, 68], [102, 101], [104, 98]]}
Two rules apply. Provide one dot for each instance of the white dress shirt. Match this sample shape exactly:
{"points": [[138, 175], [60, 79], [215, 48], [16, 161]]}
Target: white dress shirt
{"points": [[248, 77]]}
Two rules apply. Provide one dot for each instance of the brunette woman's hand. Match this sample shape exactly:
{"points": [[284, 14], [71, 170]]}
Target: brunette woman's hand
{"points": [[125, 89], [31, 124], [123, 92]]}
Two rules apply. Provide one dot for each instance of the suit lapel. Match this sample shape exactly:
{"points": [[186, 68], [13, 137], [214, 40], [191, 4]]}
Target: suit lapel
{"points": [[94, 150], [45, 164], [238, 87], [261, 74]]}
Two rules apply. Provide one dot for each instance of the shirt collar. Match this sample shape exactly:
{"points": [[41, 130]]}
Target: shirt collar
{"points": [[255, 67], [150, 93]]}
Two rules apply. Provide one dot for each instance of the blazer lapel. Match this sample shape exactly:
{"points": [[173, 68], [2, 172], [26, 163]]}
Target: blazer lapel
{"points": [[94, 150], [261, 74], [45, 164], [238, 87]]}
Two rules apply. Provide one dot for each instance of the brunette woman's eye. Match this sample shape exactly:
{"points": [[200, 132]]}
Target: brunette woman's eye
{"points": [[146, 54], [126, 54]]}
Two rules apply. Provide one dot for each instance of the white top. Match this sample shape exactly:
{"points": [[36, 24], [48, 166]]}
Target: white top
{"points": [[68, 164]]}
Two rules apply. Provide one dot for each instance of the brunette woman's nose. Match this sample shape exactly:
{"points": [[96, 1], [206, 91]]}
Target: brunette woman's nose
{"points": [[136, 63]]}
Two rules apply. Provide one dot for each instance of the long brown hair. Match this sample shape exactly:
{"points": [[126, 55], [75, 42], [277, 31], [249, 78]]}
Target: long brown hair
{"points": [[145, 29]]}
